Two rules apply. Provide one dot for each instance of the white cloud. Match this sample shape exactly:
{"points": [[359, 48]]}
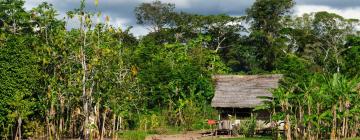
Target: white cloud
{"points": [[29, 4], [139, 30], [119, 21], [179, 3], [349, 12], [124, 23]]}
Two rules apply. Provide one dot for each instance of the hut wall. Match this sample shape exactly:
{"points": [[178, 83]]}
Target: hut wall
{"points": [[230, 117]]}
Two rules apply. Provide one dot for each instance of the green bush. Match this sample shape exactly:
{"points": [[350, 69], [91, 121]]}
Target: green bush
{"points": [[247, 127]]}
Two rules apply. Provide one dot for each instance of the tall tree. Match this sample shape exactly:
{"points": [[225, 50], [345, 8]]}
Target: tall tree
{"points": [[331, 31], [320, 37], [13, 17], [18, 85], [156, 15], [265, 17]]}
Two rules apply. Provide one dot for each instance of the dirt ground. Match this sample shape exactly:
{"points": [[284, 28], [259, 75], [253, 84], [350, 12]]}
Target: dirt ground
{"points": [[193, 135], [185, 136]]}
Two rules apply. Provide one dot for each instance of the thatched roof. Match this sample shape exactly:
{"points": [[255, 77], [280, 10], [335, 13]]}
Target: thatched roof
{"points": [[242, 91]]}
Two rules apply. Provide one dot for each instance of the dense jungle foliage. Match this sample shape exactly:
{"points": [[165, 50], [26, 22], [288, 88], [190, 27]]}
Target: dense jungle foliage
{"points": [[97, 80]]}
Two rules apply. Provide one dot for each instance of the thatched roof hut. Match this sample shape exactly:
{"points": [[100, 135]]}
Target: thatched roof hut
{"points": [[242, 91]]}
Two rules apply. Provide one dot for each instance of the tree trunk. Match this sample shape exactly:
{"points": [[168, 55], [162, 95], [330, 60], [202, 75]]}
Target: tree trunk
{"points": [[51, 121], [18, 129], [75, 130], [287, 120], [85, 106], [309, 126], [288, 127], [346, 123], [49, 135], [61, 124], [343, 127], [70, 125], [84, 79], [300, 123], [103, 125], [120, 123], [296, 128], [114, 136], [318, 135], [97, 115], [355, 127], [333, 129], [62, 111], [274, 125], [54, 131]]}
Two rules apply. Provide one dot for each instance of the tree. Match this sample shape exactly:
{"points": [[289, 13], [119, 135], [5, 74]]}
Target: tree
{"points": [[18, 85], [331, 30], [265, 17], [156, 15], [222, 29], [313, 34], [175, 74], [242, 58], [13, 17], [352, 57]]}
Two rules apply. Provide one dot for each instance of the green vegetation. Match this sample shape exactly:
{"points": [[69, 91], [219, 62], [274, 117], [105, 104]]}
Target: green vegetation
{"points": [[133, 135], [98, 80]]}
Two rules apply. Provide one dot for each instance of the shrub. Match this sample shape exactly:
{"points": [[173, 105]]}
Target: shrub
{"points": [[247, 127]]}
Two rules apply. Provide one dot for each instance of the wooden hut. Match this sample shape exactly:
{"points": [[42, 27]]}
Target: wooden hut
{"points": [[237, 95]]}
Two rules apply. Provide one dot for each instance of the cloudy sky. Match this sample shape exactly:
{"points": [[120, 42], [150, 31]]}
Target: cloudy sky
{"points": [[122, 15]]}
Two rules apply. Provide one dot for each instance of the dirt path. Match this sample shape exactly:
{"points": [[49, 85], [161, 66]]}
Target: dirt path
{"points": [[193, 135]]}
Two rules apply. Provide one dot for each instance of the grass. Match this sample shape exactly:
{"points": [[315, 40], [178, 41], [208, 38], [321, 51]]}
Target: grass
{"points": [[141, 134], [133, 135]]}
